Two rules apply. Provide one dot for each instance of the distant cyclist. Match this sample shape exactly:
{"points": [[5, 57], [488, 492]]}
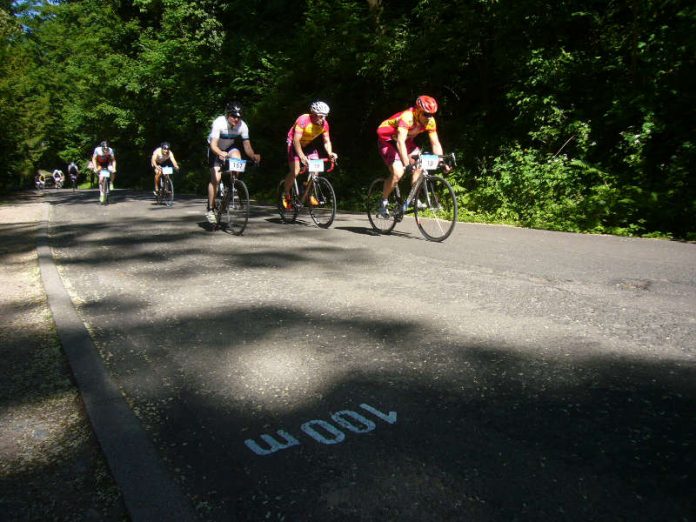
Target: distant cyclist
{"points": [[302, 143], [58, 178], [396, 145], [73, 172], [39, 181], [228, 133], [104, 158], [162, 156]]}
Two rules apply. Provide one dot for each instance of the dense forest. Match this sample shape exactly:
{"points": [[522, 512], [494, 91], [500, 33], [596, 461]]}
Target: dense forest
{"points": [[572, 115]]}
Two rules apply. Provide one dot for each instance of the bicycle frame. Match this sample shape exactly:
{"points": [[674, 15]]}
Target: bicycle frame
{"points": [[431, 199], [425, 163], [104, 180], [314, 169], [232, 191]]}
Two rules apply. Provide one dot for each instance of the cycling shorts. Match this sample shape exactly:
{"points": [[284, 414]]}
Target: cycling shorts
{"points": [[310, 150], [390, 154], [167, 163], [214, 161]]}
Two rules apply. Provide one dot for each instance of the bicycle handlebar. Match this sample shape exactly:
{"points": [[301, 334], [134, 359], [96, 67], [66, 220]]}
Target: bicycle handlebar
{"points": [[325, 160], [449, 160]]}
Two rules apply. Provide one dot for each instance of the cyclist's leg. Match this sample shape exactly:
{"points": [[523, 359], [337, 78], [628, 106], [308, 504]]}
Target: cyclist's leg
{"points": [[100, 182], [294, 166], [158, 174], [213, 186], [112, 179], [390, 156], [396, 171], [293, 171]]}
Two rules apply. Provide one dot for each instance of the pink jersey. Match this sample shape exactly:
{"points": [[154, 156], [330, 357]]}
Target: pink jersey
{"points": [[309, 130]]}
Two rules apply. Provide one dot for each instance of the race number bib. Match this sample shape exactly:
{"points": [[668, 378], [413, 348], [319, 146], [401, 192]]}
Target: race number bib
{"points": [[236, 164], [316, 165], [430, 161], [167, 170]]}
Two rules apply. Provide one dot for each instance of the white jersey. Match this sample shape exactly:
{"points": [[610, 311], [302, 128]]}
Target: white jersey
{"points": [[226, 134], [104, 156]]}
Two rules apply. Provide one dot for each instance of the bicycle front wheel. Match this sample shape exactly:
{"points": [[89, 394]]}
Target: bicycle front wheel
{"points": [[168, 192], [322, 202], [435, 208], [237, 208], [383, 222], [287, 214]]}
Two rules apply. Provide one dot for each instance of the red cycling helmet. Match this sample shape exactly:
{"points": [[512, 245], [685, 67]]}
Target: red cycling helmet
{"points": [[427, 104]]}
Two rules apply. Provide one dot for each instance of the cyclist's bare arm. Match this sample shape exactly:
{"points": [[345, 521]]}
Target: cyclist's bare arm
{"points": [[328, 147], [401, 136], [435, 143], [437, 148], [216, 150], [153, 159], [298, 145], [248, 149], [176, 165]]}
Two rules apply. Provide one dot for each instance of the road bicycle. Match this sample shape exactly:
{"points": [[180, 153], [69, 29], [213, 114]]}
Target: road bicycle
{"points": [[165, 188], [104, 182], [316, 194], [73, 182], [232, 203], [431, 200]]}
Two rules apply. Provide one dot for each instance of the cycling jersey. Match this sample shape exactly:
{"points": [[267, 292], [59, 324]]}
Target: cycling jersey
{"points": [[72, 169], [310, 131], [161, 158], [388, 129], [104, 156], [227, 135]]}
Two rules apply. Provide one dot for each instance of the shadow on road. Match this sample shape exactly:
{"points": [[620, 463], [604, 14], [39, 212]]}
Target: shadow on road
{"points": [[482, 432]]}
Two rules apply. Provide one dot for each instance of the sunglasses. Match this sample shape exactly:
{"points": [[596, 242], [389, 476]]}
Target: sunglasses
{"points": [[428, 114]]}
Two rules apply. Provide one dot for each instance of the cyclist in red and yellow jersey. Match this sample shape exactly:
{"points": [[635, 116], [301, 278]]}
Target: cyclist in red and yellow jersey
{"points": [[302, 143], [396, 145]]}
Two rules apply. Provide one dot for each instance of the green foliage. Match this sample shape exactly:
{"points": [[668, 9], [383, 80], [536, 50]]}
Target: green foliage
{"points": [[575, 117]]}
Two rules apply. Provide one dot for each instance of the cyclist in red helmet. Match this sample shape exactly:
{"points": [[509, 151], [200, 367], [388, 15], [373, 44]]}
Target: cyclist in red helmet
{"points": [[396, 145]]}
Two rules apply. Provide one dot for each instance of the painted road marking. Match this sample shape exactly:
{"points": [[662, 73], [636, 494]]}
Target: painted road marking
{"points": [[322, 431]]}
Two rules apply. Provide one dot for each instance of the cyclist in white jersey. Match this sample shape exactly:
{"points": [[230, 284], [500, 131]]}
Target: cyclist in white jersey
{"points": [[226, 136], [104, 158]]}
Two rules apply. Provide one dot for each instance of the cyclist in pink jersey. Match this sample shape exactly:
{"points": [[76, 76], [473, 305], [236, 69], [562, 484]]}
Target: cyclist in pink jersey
{"points": [[302, 144], [396, 145]]}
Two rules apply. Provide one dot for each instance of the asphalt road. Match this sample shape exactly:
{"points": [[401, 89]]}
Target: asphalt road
{"points": [[296, 373]]}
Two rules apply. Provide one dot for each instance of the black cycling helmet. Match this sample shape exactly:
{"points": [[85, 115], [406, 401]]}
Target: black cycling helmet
{"points": [[165, 145], [104, 144], [233, 108]]}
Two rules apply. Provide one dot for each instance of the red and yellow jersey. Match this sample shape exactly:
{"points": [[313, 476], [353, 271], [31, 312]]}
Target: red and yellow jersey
{"points": [[388, 129], [310, 131]]}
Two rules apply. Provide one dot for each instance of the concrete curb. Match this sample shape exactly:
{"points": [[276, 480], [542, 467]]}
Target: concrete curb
{"points": [[149, 492]]}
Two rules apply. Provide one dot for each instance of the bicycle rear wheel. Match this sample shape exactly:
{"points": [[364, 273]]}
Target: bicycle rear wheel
{"points": [[323, 212], [380, 223], [168, 191], [288, 215], [435, 208], [237, 208]]}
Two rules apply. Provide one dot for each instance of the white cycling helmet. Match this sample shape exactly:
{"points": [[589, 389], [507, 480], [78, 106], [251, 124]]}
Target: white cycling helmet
{"points": [[319, 107]]}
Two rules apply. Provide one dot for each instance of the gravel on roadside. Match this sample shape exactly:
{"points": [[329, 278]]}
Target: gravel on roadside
{"points": [[51, 466]]}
